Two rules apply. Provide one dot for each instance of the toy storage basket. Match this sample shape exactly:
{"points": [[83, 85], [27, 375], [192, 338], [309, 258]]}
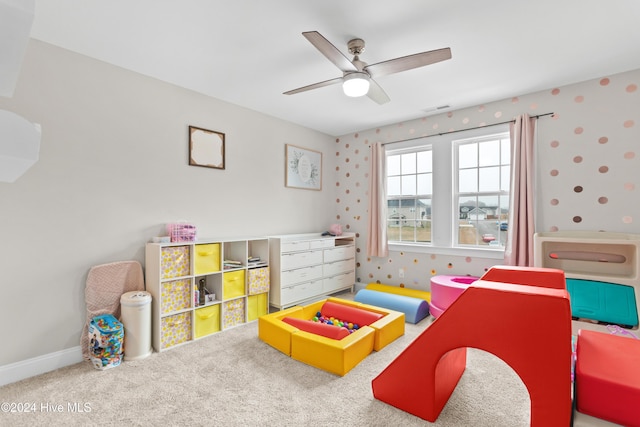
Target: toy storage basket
{"points": [[181, 232], [106, 336]]}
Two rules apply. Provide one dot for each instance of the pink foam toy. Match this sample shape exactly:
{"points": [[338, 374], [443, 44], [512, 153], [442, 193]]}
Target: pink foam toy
{"points": [[445, 290]]}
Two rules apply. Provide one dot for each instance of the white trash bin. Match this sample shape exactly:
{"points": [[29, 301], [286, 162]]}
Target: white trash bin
{"points": [[136, 318]]}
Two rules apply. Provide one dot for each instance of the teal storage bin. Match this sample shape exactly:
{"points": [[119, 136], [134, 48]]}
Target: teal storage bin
{"points": [[106, 336], [603, 301]]}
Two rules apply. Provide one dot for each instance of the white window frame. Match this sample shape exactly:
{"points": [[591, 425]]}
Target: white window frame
{"points": [[443, 233]]}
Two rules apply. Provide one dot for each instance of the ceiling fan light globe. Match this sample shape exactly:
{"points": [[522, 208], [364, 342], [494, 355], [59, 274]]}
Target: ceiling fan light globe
{"points": [[356, 84]]}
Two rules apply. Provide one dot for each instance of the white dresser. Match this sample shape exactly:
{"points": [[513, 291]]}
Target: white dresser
{"points": [[305, 267]]}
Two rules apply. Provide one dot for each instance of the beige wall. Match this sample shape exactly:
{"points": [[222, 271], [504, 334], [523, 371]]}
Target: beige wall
{"points": [[113, 170]]}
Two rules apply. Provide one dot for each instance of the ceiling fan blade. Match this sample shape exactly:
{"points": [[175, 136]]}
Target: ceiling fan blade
{"points": [[376, 93], [408, 62], [314, 86], [330, 51]]}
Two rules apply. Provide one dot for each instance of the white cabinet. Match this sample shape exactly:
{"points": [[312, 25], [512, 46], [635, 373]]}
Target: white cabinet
{"points": [[206, 286], [305, 267]]}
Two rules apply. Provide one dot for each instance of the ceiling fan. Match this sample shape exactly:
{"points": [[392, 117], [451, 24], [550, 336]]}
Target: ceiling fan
{"points": [[358, 77]]}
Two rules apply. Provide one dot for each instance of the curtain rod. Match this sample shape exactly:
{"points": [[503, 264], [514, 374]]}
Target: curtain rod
{"points": [[463, 130]]}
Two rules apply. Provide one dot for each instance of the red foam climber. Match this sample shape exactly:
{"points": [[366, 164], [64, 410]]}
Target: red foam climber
{"points": [[528, 327]]}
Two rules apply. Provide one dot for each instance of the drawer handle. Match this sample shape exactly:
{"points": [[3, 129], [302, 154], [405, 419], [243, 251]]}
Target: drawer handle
{"points": [[203, 317], [203, 253]]}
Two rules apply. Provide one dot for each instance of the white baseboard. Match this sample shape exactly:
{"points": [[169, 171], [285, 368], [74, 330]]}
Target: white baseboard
{"points": [[39, 365]]}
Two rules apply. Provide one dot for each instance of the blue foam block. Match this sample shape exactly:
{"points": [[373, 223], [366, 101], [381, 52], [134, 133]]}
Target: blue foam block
{"points": [[414, 309]]}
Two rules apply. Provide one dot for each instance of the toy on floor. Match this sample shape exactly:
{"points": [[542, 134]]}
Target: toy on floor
{"points": [[445, 289], [603, 275], [414, 309], [105, 336], [413, 303], [333, 349], [503, 319], [608, 377], [350, 326]]}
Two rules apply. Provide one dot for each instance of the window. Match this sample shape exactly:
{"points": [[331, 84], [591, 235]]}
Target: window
{"points": [[482, 190], [409, 189], [450, 191]]}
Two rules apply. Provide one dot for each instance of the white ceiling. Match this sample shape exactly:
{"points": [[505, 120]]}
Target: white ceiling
{"points": [[248, 52]]}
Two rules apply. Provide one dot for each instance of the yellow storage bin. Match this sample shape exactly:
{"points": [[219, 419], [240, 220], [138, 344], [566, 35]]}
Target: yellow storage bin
{"points": [[233, 284], [257, 305], [207, 320], [258, 280], [176, 295], [175, 330], [207, 258]]}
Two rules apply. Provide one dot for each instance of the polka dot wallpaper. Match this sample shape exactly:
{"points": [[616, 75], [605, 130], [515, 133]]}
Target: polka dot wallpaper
{"points": [[588, 155]]}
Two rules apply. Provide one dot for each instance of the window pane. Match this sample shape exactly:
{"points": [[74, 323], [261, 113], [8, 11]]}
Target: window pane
{"points": [[466, 207], [393, 186], [505, 178], [425, 184], [467, 221], [424, 161], [489, 205], [489, 153], [408, 208], [489, 179], [393, 165], [467, 155], [424, 207], [408, 163], [408, 185], [468, 181], [505, 146]]}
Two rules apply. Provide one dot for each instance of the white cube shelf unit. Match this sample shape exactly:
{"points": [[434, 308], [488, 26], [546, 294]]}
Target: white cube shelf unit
{"points": [[307, 267], [203, 287]]}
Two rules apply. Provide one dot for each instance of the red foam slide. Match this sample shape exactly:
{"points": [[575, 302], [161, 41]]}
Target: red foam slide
{"points": [[528, 327]]}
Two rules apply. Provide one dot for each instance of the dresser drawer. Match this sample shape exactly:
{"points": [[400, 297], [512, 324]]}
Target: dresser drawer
{"points": [[301, 259], [291, 277], [339, 253], [300, 292], [294, 246], [341, 281], [338, 267], [322, 243]]}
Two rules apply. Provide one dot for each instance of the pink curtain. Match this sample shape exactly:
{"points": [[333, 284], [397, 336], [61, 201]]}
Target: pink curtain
{"points": [[377, 225], [519, 250]]}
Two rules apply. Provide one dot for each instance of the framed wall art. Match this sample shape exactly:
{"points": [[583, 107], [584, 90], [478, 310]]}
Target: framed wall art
{"points": [[206, 148], [303, 168]]}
